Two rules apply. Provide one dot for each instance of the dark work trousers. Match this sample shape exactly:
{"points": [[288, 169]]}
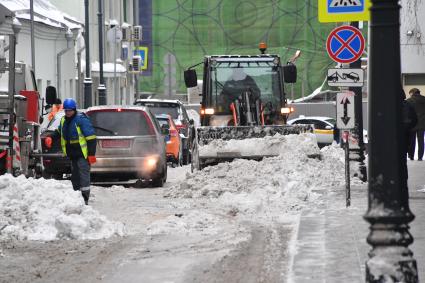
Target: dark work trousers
{"points": [[80, 177], [412, 141]]}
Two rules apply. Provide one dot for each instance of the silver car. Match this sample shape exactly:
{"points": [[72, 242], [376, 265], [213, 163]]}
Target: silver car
{"points": [[130, 145]]}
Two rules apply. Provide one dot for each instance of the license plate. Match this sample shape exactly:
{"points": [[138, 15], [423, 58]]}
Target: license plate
{"points": [[115, 143]]}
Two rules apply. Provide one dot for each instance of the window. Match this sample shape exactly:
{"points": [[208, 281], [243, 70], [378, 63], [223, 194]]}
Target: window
{"points": [[320, 125], [40, 85], [172, 109], [111, 123], [230, 79], [414, 79], [63, 91], [162, 122], [71, 88]]}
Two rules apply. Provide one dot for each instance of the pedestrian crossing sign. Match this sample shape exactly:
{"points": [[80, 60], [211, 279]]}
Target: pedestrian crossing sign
{"points": [[143, 52], [331, 11]]}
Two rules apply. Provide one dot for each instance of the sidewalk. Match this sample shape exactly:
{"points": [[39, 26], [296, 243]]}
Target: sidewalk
{"points": [[331, 244]]}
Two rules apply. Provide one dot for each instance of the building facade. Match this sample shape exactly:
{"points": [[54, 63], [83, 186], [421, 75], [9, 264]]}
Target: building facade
{"points": [[412, 39], [117, 15], [54, 44]]}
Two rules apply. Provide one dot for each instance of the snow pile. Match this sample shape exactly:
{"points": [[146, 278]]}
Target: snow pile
{"points": [[45, 210], [272, 186], [269, 145]]}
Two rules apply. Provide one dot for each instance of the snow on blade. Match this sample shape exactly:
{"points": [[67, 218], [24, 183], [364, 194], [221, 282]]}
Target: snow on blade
{"points": [[269, 145], [46, 210]]}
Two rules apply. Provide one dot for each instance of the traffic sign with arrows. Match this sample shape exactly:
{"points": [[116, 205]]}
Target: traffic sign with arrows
{"points": [[345, 110]]}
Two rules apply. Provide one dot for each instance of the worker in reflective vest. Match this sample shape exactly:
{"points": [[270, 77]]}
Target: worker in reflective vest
{"points": [[78, 141]]}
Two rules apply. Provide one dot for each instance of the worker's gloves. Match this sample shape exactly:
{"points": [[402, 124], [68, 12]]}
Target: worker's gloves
{"points": [[91, 159]]}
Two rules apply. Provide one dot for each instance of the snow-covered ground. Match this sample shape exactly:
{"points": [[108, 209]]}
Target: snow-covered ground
{"points": [[46, 210], [203, 226]]}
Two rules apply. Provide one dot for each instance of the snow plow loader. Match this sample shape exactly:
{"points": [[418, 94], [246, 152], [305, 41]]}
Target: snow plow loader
{"points": [[243, 98]]}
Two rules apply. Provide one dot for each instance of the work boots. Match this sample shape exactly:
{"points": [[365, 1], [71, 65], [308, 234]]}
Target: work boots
{"points": [[86, 195]]}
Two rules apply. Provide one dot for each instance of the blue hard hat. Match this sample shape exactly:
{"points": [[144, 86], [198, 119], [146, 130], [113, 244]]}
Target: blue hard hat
{"points": [[69, 104]]}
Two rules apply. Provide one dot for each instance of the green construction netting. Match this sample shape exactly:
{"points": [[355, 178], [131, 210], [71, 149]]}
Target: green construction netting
{"points": [[190, 29]]}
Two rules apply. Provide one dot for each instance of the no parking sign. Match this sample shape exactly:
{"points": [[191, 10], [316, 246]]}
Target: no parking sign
{"points": [[345, 44]]}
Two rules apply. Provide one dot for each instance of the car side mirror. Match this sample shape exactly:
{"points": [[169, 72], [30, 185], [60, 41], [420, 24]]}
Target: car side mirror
{"points": [[51, 95], [328, 127], [190, 78], [289, 73], [165, 130]]}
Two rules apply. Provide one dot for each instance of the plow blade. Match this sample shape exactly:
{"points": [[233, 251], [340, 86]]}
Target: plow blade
{"points": [[213, 145]]}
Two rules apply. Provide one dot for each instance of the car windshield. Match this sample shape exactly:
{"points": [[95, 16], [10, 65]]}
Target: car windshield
{"points": [[157, 108], [54, 123], [332, 121], [261, 78], [163, 121], [120, 123]]}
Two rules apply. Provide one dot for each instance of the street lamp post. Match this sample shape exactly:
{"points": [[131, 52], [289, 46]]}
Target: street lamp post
{"points": [[102, 88], [87, 79], [390, 259]]}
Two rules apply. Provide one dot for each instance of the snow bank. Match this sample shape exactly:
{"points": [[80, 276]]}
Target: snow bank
{"points": [[272, 186], [46, 210]]}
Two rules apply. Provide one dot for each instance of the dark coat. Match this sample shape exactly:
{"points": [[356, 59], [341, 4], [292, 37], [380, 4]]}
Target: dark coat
{"points": [[418, 102], [410, 119]]}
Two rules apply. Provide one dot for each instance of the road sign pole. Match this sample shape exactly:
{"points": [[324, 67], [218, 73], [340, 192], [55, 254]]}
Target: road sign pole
{"points": [[390, 259], [346, 137], [358, 120]]}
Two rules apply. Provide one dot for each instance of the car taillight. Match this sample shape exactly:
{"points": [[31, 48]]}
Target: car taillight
{"points": [[181, 128], [174, 133], [48, 142]]}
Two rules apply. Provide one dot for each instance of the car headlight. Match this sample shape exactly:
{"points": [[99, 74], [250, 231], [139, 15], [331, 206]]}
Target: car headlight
{"points": [[151, 162]]}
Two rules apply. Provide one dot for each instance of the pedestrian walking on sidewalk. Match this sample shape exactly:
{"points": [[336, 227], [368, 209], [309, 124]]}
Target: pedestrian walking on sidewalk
{"points": [[410, 119], [418, 102], [78, 141]]}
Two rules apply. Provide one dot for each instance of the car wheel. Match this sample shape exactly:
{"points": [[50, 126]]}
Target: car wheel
{"points": [[46, 175], [180, 159], [57, 176], [159, 182], [140, 184], [186, 157]]}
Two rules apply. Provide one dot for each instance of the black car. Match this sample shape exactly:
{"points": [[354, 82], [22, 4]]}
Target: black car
{"points": [[177, 111], [55, 164], [352, 76], [333, 78]]}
